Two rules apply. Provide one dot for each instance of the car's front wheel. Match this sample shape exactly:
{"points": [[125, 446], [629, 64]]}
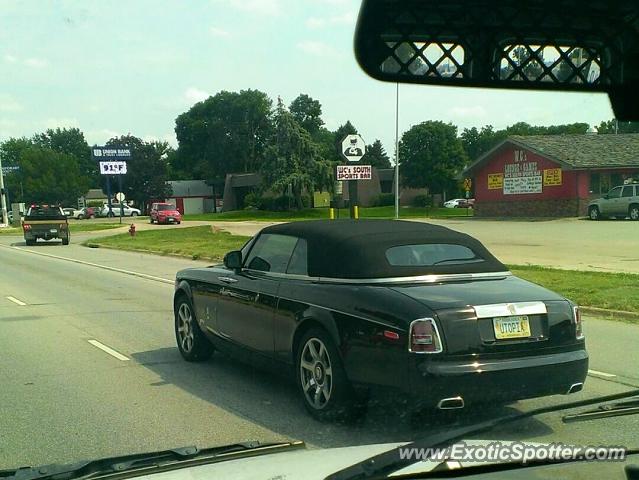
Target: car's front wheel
{"points": [[193, 345], [134, 214], [633, 212], [593, 213], [65, 240], [321, 378]]}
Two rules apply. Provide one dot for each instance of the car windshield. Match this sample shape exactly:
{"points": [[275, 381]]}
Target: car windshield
{"points": [[272, 244]]}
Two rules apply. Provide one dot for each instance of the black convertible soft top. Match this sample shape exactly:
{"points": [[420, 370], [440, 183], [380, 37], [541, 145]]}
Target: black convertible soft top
{"points": [[357, 248]]}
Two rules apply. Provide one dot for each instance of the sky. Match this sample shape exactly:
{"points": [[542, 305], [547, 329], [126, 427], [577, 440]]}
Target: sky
{"points": [[112, 67]]}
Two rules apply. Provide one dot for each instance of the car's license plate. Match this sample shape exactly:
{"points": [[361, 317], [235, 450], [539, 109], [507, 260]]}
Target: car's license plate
{"points": [[511, 327], [171, 220], [53, 230]]}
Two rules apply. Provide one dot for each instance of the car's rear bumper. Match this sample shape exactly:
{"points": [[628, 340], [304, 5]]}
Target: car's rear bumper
{"points": [[497, 380]]}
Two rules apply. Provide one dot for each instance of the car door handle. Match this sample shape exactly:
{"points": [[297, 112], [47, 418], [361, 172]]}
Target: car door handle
{"points": [[227, 279]]}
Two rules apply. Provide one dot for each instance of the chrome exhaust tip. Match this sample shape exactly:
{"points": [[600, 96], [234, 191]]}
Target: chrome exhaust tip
{"points": [[574, 388], [450, 403]]}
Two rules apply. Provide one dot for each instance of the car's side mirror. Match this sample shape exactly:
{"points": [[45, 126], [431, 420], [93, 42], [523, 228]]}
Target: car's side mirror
{"points": [[233, 260]]}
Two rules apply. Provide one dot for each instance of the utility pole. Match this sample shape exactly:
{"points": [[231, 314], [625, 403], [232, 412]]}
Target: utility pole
{"points": [[397, 152], [3, 197]]}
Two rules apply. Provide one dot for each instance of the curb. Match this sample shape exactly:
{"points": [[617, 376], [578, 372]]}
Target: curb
{"points": [[611, 313]]}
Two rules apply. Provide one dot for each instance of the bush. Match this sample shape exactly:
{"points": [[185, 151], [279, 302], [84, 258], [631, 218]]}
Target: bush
{"points": [[422, 201], [252, 201], [384, 200]]}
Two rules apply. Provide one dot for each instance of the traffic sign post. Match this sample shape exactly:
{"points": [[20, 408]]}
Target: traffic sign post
{"points": [[468, 183], [353, 149]]}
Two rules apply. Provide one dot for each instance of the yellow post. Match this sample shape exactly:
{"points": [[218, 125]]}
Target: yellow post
{"points": [[331, 213], [356, 212]]}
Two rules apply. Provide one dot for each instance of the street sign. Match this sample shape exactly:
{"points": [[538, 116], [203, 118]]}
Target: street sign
{"points": [[120, 197], [468, 183], [353, 148], [110, 153], [354, 172], [112, 168]]}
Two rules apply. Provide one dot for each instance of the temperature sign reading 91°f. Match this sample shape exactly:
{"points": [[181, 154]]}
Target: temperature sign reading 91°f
{"points": [[113, 168]]}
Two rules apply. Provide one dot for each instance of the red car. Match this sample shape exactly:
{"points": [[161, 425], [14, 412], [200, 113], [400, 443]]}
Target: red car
{"points": [[165, 213]]}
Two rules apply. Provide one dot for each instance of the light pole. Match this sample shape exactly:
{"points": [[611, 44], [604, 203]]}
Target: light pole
{"points": [[397, 152], [3, 198]]}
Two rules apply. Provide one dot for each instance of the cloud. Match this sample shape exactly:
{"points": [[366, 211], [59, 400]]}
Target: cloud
{"points": [[317, 49], [219, 32], [101, 136], [193, 94], [347, 18], [35, 62], [475, 111], [9, 104], [10, 59], [63, 122], [257, 7]]}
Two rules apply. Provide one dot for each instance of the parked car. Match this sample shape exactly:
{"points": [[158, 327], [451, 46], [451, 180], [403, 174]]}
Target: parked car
{"points": [[414, 308], [466, 203], [454, 203], [165, 213], [128, 211], [71, 212], [621, 201], [86, 212]]}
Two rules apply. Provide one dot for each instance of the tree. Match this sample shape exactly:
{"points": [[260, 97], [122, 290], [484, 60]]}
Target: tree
{"points": [[308, 113], [72, 142], [431, 155], [291, 160], [52, 177], [226, 133], [376, 156], [612, 126], [147, 170]]}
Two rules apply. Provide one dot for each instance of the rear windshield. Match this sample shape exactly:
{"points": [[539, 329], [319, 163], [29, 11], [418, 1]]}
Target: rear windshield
{"points": [[430, 254], [45, 212], [166, 207]]}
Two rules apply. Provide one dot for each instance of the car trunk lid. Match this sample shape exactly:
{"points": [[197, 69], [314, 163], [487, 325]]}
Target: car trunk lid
{"points": [[497, 315]]}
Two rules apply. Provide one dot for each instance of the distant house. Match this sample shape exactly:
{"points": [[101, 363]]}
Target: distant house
{"points": [[551, 175], [192, 196], [93, 196]]}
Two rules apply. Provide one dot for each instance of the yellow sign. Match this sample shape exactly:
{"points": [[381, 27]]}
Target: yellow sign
{"points": [[467, 184], [495, 181], [552, 177]]}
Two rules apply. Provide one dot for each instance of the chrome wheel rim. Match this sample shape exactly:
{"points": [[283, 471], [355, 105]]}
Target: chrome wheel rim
{"points": [[185, 328], [594, 213], [634, 213], [316, 373]]}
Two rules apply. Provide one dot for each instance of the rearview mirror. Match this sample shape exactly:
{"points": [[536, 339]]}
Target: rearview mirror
{"points": [[527, 44], [233, 260]]}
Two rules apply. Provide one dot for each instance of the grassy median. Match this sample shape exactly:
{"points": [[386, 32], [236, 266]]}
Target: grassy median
{"points": [[615, 291], [317, 213], [74, 227]]}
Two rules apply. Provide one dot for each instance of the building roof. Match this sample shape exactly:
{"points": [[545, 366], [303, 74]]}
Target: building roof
{"points": [[95, 194], [576, 151], [357, 248]]}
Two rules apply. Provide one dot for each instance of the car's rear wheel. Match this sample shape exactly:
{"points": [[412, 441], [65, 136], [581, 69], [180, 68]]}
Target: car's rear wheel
{"points": [[30, 243], [633, 212], [594, 214], [80, 217], [65, 240], [134, 214], [321, 378], [192, 343]]}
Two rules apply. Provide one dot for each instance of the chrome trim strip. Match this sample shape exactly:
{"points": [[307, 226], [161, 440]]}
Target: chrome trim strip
{"points": [[449, 277], [510, 309], [459, 403]]}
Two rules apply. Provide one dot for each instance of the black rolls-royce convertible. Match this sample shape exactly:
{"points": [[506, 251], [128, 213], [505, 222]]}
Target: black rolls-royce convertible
{"points": [[352, 305]]}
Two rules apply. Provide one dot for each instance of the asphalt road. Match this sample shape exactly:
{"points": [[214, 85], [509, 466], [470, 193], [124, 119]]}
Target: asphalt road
{"points": [[89, 368]]}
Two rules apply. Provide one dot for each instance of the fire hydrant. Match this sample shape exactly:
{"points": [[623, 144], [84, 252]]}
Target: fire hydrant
{"points": [[132, 230]]}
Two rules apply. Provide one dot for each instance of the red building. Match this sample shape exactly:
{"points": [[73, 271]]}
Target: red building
{"points": [[551, 175]]}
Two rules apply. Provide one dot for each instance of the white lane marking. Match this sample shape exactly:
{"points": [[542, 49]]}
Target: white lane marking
{"points": [[16, 301], [104, 267], [601, 374], [108, 350]]}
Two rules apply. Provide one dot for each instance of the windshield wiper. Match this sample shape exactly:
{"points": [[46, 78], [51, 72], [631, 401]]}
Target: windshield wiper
{"points": [[629, 407], [156, 461], [382, 465]]}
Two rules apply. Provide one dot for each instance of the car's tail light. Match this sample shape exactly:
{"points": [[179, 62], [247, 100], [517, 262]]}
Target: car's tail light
{"points": [[424, 337], [26, 227], [579, 326]]}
